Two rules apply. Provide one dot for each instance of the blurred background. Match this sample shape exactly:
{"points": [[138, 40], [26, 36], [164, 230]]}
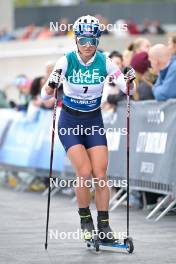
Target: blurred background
{"points": [[32, 39]]}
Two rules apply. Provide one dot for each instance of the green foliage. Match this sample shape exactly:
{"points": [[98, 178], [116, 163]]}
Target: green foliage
{"points": [[32, 2]]}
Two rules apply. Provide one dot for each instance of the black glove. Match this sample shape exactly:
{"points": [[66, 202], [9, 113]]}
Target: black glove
{"points": [[129, 74], [115, 98], [112, 99], [54, 79]]}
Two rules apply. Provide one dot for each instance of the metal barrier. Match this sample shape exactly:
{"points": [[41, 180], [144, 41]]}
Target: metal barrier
{"points": [[152, 149]]}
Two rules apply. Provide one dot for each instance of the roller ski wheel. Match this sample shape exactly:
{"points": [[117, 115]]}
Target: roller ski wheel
{"points": [[94, 243], [129, 242]]}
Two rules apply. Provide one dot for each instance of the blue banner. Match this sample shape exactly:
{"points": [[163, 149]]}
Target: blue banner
{"points": [[27, 143]]}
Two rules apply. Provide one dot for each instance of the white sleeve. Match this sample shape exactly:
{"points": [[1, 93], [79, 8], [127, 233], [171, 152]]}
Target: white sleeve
{"points": [[117, 75], [61, 64]]}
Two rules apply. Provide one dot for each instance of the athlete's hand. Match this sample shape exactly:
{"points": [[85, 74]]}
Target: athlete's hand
{"points": [[54, 79], [129, 74]]}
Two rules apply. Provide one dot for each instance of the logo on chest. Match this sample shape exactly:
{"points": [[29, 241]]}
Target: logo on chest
{"points": [[91, 76]]}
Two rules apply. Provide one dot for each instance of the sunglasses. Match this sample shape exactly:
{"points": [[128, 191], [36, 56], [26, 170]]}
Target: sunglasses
{"points": [[91, 41]]}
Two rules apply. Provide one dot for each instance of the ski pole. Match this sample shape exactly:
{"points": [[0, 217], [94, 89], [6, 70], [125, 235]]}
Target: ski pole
{"points": [[51, 158], [128, 152]]}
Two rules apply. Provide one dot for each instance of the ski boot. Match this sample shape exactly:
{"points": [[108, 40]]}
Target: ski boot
{"points": [[105, 233], [87, 226]]}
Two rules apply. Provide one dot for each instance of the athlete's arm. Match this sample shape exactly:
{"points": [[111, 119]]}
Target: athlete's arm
{"points": [[118, 77], [47, 91]]}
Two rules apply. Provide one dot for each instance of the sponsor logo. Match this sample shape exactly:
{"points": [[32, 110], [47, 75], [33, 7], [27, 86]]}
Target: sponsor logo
{"points": [[155, 116], [151, 142], [147, 167]]}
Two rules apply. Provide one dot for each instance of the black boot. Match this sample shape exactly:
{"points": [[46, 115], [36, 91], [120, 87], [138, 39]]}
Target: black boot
{"points": [[105, 233], [87, 226]]}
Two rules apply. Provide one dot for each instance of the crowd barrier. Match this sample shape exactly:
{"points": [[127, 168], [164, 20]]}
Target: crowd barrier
{"points": [[26, 143]]}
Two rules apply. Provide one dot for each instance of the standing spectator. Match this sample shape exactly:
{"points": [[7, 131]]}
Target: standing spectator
{"points": [[161, 61], [172, 45], [24, 85], [110, 87], [127, 56], [49, 68], [141, 64], [139, 45], [117, 58]]}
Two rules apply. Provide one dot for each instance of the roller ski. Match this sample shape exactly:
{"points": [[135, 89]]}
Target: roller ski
{"points": [[107, 238]]}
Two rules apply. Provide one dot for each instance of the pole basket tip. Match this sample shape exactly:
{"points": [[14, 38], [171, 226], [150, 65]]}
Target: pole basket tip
{"points": [[46, 246]]}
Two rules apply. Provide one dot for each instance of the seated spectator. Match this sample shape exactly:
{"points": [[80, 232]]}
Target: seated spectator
{"points": [[139, 45], [29, 33], [172, 45], [45, 33], [146, 28], [157, 28], [63, 27], [133, 27], [162, 63], [141, 64], [5, 35]]}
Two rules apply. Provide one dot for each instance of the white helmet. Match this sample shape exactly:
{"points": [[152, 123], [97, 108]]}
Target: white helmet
{"points": [[87, 26]]}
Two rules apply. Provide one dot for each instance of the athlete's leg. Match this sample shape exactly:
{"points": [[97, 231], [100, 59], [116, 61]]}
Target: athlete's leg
{"points": [[81, 163], [80, 160], [99, 161]]}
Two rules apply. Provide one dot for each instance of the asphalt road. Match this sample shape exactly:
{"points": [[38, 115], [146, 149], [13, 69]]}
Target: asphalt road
{"points": [[22, 233]]}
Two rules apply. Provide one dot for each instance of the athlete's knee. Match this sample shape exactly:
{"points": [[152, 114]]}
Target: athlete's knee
{"points": [[84, 172], [100, 178]]}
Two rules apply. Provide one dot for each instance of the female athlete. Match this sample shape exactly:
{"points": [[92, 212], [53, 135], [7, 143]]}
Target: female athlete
{"points": [[84, 71]]}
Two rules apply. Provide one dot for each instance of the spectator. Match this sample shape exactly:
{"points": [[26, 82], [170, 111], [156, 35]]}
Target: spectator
{"points": [[158, 28], [127, 56], [63, 27], [172, 45], [36, 102], [117, 58], [3, 100], [45, 33], [146, 27], [110, 87], [24, 86], [49, 68], [141, 64], [139, 45], [5, 36], [133, 27], [29, 33], [161, 61]]}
